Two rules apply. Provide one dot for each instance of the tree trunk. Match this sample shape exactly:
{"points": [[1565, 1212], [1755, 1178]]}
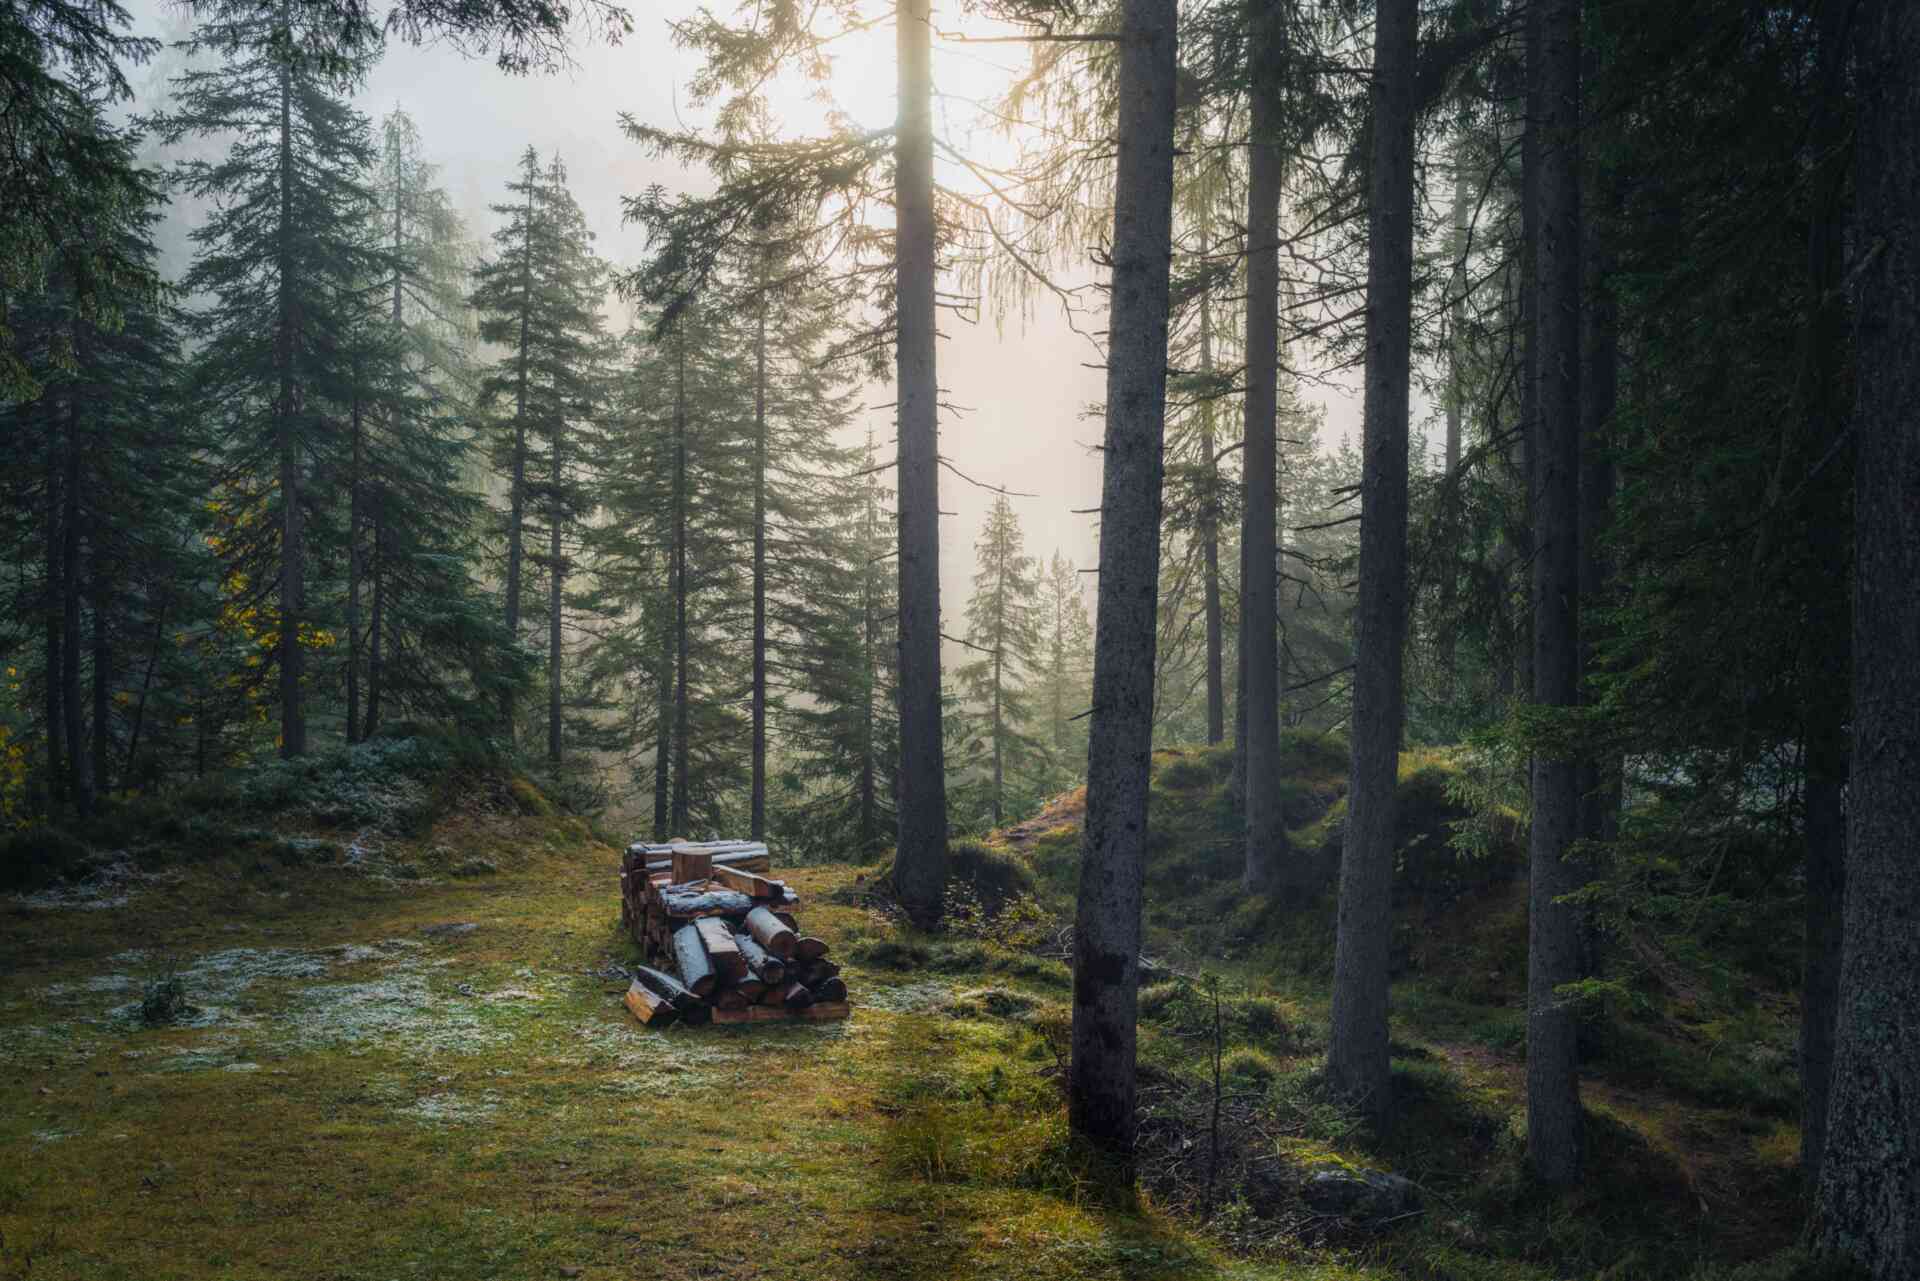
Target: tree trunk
{"points": [[1210, 528], [869, 667], [293, 534], [1868, 1208], [682, 802], [757, 821], [1357, 1055], [356, 515], [556, 594], [517, 482], [1259, 602], [80, 780], [920, 855], [376, 623], [97, 604], [663, 739], [1826, 644], [1601, 779], [1554, 952], [1106, 954], [51, 608]]}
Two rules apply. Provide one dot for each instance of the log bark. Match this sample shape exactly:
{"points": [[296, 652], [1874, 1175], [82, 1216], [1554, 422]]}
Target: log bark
{"points": [[824, 1010], [818, 972], [678, 994], [692, 865], [795, 995], [717, 935], [764, 966], [728, 998], [649, 1006], [808, 948], [684, 900], [751, 988], [833, 989], [696, 970], [771, 933]]}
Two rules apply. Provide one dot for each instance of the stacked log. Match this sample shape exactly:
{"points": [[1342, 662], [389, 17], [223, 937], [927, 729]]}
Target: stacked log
{"points": [[724, 938]]}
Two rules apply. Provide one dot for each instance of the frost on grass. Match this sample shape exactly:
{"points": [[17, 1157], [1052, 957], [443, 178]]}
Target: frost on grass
{"points": [[448, 1108], [108, 885], [906, 998], [644, 1062], [273, 994]]}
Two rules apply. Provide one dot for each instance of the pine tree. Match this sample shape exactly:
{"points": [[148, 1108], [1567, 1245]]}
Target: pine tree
{"points": [[1004, 632], [1065, 683], [1357, 1054], [111, 521], [1106, 953], [431, 644], [280, 255], [539, 297], [840, 739]]}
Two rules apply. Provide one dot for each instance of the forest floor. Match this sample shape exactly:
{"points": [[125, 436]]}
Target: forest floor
{"points": [[431, 1075]]}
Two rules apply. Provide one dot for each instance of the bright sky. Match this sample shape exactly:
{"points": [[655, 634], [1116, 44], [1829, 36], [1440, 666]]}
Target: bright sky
{"points": [[1027, 388]]}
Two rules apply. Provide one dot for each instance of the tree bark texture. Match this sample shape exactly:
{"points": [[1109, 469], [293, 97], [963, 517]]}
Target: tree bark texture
{"points": [[1868, 1207], [757, 817], [1826, 639], [293, 535], [79, 778], [1554, 951], [1357, 1054], [1265, 835], [1210, 530], [682, 715], [1106, 954], [920, 853]]}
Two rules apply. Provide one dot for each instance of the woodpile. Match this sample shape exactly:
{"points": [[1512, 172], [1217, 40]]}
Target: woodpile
{"points": [[721, 939]]}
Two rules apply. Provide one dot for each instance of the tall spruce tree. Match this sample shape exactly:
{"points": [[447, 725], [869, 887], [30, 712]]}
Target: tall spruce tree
{"points": [[1106, 957], [281, 256], [539, 297], [1004, 635], [103, 497], [1064, 683]]}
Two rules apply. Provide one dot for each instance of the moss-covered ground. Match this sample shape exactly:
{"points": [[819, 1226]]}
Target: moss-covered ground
{"points": [[430, 1074]]}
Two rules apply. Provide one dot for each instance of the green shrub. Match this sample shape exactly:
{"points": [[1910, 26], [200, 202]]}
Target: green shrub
{"points": [[39, 855], [889, 954], [992, 875], [1189, 770], [165, 1001], [1249, 1068]]}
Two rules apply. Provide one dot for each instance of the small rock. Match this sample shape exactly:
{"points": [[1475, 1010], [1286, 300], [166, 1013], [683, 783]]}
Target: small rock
{"points": [[449, 929], [1361, 1195]]}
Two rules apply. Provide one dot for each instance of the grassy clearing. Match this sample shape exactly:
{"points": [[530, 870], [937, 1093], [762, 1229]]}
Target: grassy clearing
{"points": [[430, 1075]]}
